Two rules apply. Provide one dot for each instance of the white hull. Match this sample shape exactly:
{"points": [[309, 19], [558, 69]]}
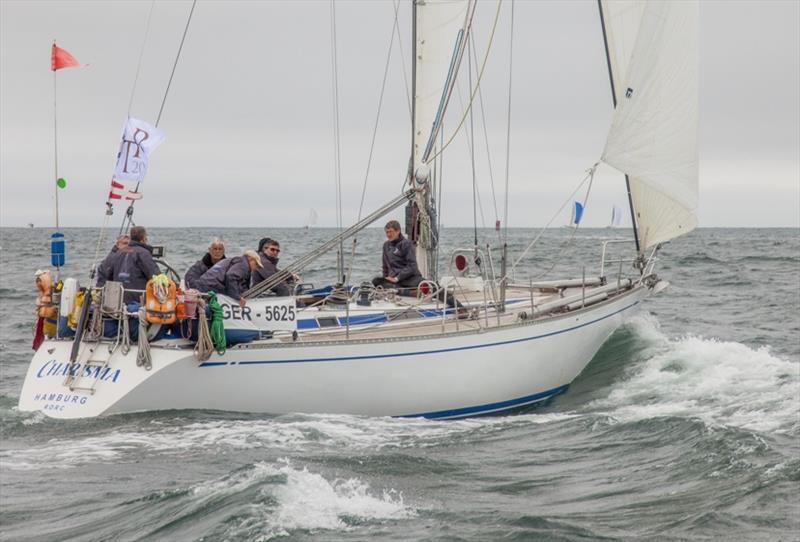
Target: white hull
{"points": [[439, 376]]}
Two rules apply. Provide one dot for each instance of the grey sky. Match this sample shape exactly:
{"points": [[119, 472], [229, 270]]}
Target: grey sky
{"points": [[249, 116]]}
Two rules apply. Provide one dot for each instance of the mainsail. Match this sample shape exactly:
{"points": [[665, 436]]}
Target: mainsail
{"points": [[653, 136], [440, 38]]}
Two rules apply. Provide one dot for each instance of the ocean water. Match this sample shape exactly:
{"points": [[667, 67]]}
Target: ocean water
{"points": [[685, 426]]}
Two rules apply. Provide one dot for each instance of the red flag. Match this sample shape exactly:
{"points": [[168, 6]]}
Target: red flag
{"points": [[116, 190], [60, 58]]}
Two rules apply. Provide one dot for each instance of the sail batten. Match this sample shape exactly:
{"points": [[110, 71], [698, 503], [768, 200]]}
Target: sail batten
{"points": [[653, 136]]}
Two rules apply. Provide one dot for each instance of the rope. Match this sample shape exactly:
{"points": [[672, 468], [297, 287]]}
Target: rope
{"points": [[143, 358], [95, 328], [217, 331], [477, 85], [588, 177], [205, 346], [126, 337]]}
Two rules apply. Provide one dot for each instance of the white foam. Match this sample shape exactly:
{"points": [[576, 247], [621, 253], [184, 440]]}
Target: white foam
{"points": [[289, 434], [305, 501], [720, 382]]}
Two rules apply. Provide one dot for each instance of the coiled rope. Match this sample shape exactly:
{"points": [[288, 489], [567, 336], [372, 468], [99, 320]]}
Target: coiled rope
{"points": [[204, 347], [143, 358], [217, 331]]}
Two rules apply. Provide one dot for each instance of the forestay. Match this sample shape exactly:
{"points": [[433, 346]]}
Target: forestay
{"points": [[653, 136]]}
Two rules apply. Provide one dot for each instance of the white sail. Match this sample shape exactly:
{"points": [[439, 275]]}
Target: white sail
{"points": [[616, 216], [653, 136], [312, 218], [440, 40]]}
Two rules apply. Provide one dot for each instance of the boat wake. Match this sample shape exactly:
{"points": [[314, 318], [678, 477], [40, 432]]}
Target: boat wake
{"points": [[284, 434], [721, 383]]}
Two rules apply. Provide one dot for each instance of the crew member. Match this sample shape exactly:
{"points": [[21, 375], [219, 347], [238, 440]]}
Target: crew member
{"points": [[131, 265], [216, 252], [399, 260], [230, 276], [268, 250]]}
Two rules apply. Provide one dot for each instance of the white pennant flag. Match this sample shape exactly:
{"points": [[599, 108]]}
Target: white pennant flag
{"points": [[139, 139]]}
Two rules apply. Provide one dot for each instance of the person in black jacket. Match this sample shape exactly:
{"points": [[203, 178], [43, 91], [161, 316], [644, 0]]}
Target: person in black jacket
{"points": [[216, 253], [131, 265], [268, 250], [399, 260], [230, 276]]}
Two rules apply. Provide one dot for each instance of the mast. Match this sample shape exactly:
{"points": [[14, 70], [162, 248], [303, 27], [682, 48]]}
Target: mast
{"points": [[614, 101]]}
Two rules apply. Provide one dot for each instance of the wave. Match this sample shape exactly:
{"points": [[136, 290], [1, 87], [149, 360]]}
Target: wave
{"points": [[291, 434], [275, 499], [719, 382]]}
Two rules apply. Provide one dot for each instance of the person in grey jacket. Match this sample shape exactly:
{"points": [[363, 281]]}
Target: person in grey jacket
{"points": [[268, 250], [399, 260], [132, 265], [216, 253], [230, 276]]}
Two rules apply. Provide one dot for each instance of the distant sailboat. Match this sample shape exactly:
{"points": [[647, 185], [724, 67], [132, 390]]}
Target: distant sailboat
{"points": [[616, 216], [575, 217], [311, 220]]}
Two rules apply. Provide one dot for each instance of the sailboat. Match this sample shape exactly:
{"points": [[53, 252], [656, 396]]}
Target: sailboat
{"points": [[366, 351], [616, 216], [311, 219], [575, 216]]}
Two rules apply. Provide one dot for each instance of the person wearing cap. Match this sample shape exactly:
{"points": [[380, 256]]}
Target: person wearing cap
{"points": [[230, 276], [216, 252], [268, 250], [131, 264]]}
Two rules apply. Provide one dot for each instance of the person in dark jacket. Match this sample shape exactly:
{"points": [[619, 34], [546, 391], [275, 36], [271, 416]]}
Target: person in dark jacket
{"points": [[268, 250], [399, 260], [131, 265], [230, 276], [104, 269], [216, 253]]}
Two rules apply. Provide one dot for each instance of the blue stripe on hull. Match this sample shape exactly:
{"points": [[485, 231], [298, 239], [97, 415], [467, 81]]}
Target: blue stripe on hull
{"points": [[492, 408], [417, 353]]}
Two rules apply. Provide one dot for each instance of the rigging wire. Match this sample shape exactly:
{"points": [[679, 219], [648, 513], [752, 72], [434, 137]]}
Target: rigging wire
{"points": [[468, 141], [588, 177], [508, 126], [175, 65], [477, 84], [406, 85], [486, 141], [337, 140], [127, 220], [472, 157], [141, 56], [374, 137]]}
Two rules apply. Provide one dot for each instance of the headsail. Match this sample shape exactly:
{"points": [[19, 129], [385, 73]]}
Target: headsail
{"points": [[653, 136], [441, 31]]}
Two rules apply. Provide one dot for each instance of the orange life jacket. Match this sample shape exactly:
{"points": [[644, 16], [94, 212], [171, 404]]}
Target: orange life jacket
{"points": [[44, 301], [160, 311]]}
